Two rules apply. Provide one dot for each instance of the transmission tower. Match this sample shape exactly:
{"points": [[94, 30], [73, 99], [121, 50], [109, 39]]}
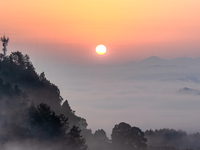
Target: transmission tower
{"points": [[5, 43]]}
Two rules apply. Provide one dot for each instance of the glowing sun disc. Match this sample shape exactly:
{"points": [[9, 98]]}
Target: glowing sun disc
{"points": [[101, 49]]}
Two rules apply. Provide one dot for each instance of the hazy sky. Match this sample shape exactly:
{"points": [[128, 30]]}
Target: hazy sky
{"points": [[69, 31], [59, 33]]}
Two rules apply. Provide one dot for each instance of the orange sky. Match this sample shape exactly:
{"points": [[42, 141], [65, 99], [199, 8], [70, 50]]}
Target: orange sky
{"points": [[131, 30]]}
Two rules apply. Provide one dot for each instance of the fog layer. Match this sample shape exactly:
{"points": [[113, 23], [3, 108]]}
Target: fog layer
{"points": [[149, 94]]}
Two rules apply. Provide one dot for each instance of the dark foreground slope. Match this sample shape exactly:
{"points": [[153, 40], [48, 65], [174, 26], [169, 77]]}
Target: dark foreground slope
{"points": [[17, 69], [31, 114]]}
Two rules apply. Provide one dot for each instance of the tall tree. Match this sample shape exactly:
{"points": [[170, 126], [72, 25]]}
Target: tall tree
{"points": [[128, 138], [75, 140], [44, 124]]}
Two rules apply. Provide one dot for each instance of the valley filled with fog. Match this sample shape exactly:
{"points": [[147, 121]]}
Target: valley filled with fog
{"points": [[151, 94]]}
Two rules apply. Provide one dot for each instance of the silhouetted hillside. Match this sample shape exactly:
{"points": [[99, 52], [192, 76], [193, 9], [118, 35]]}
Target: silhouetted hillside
{"points": [[31, 111], [17, 69]]}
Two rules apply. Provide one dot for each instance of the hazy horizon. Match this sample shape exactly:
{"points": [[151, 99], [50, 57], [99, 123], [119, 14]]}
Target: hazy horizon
{"points": [[151, 94], [60, 37]]}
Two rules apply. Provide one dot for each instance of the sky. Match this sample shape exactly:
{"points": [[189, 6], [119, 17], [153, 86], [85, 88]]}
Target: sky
{"points": [[69, 31], [58, 35]]}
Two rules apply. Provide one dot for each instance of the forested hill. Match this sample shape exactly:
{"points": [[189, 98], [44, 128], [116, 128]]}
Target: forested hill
{"points": [[17, 71]]}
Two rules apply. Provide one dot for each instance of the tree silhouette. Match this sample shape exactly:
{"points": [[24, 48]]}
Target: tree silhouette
{"points": [[75, 140], [128, 138], [101, 135], [44, 124], [13, 101]]}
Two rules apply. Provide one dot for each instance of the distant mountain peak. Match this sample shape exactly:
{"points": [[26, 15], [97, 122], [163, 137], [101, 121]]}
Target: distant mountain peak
{"points": [[152, 58]]}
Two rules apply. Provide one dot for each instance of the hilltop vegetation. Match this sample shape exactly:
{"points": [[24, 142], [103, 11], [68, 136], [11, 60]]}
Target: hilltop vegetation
{"points": [[17, 70], [31, 107]]}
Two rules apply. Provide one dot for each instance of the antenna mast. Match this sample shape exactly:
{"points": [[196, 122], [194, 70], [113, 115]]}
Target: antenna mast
{"points": [[5, 43]]}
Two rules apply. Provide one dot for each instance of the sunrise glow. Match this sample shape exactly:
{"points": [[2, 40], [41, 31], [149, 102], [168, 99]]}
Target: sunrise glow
{"points": [[133, 30], [128, 61]]}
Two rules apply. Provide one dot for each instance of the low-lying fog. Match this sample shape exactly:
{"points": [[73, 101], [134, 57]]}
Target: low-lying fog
{"points": [[150, 94]]}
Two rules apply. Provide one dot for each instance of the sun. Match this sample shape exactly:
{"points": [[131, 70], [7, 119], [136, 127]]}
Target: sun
{"points": [[100, 49]]}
